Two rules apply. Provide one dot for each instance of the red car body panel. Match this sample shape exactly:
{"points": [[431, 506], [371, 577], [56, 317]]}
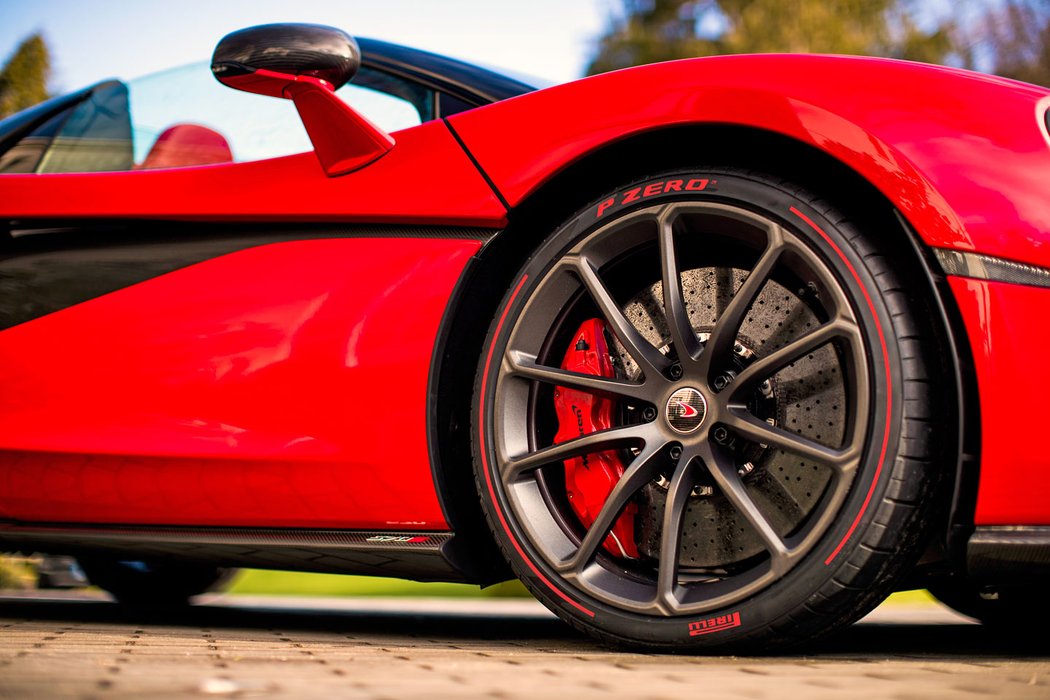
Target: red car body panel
{"points": [[425, 178], [257, 409], [258, 388], [1009, 338], [962, 155]]}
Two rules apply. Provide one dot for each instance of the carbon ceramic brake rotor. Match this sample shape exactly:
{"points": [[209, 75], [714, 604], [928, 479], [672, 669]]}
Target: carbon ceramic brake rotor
{"points": [[807, 396]]}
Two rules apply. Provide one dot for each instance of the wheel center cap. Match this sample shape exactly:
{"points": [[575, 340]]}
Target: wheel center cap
{"points": [[686, 410]]}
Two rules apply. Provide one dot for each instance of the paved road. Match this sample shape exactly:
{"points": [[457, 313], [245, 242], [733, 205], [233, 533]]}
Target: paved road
{"points": [[82, 647]]}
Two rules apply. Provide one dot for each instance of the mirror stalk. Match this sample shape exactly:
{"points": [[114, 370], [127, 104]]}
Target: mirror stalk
{"points": [[306, 63], [329, 120]]}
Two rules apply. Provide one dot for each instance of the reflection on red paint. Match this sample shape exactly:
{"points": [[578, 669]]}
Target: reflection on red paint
{"points": [[961, 155], [238, 391], [1015, 466]]}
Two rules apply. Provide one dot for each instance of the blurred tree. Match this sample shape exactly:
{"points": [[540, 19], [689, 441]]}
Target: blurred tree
{"points": [[646, 31], [23, 79], [1010, 38]]}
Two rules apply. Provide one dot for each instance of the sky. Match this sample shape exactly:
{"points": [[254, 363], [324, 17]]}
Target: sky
{"points": [[95, 39]]}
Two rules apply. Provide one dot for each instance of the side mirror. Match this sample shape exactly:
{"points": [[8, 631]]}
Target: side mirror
{"points": [[305, 63], [266, 58]]}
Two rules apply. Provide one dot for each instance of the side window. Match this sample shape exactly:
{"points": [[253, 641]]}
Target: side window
{"points": [[403, 103], [95, 137], [91, 135], [184, 117]]}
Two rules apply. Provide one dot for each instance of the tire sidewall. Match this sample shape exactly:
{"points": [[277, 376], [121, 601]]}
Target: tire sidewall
{"points": [[842, 251]]}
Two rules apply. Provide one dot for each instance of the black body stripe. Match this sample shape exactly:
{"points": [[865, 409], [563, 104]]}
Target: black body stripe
{"points": [[46, 269]]}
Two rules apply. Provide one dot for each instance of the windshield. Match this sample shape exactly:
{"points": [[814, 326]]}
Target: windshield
{"points": [[254, 127], [183, 117]]}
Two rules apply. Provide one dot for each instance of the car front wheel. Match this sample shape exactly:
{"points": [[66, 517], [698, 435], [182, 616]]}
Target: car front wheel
{"points": [[703, 416]]}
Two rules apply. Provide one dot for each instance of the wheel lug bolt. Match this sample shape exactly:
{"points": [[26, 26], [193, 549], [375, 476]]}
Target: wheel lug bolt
{"points": [[721, 381], [649, 413], [675, 371], [720, 435], [676, 453]]}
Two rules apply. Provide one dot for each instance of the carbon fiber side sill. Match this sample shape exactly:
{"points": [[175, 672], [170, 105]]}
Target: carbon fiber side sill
{"points": [[1007, 554], [415, 555]]}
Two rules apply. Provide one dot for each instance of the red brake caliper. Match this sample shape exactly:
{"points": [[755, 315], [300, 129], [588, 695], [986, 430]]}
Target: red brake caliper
{"points": [[590, 479]]}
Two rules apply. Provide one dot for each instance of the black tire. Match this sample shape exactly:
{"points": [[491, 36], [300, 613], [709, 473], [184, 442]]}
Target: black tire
{"points": [[153, 584], [814, 528]]}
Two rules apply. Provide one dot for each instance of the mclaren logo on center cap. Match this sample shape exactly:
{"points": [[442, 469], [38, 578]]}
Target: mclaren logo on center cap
{"points": [[686, 410]]}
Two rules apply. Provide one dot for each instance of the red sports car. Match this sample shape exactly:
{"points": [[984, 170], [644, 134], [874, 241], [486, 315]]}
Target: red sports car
{"points": [[712, 354]]}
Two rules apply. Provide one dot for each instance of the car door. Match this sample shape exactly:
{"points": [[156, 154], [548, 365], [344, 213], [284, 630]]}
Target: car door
{"points": [[197, 329]]}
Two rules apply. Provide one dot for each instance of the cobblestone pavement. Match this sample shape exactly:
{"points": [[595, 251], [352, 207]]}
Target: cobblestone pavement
{"points": [[82, 647]]}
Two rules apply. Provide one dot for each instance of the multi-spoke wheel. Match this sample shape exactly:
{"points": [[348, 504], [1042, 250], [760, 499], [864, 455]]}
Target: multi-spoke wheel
{"points": [[689, 422]]}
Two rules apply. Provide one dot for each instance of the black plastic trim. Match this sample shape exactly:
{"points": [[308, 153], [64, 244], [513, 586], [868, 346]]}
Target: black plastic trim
{"points": [[447, 105], [437, 426], [966, 441], [474, 551]]}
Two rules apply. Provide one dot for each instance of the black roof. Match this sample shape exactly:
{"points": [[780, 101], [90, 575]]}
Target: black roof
{"points": [[469, 82]]}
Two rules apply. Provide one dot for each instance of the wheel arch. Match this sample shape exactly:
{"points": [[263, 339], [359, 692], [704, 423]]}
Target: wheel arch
{"points": [[697, 145]]}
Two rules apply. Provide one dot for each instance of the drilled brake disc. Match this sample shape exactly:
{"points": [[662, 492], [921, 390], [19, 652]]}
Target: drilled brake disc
{"points": [[807, 397]]}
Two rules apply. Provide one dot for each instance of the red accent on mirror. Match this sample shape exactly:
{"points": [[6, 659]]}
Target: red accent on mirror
{"points": [[261, 82], [343, 139]]}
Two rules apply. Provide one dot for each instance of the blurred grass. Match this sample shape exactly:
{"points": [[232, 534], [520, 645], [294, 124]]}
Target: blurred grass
{"points": [[912, 598], [17, 573], [262, 582]]}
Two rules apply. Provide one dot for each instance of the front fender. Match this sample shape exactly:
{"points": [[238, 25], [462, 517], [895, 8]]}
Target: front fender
{"points": [[962, 155]]}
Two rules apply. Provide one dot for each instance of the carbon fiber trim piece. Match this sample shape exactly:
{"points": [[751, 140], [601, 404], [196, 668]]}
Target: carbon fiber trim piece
{"points": [[262, 537], [985, 267], [1007, 554], [414, 555]]}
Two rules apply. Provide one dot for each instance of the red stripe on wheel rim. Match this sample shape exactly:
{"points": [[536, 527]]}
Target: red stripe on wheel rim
{"points": [[889, 386]]}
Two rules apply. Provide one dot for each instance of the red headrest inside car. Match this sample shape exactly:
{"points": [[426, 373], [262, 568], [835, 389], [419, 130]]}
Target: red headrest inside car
{"points": [[187, 144]]}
